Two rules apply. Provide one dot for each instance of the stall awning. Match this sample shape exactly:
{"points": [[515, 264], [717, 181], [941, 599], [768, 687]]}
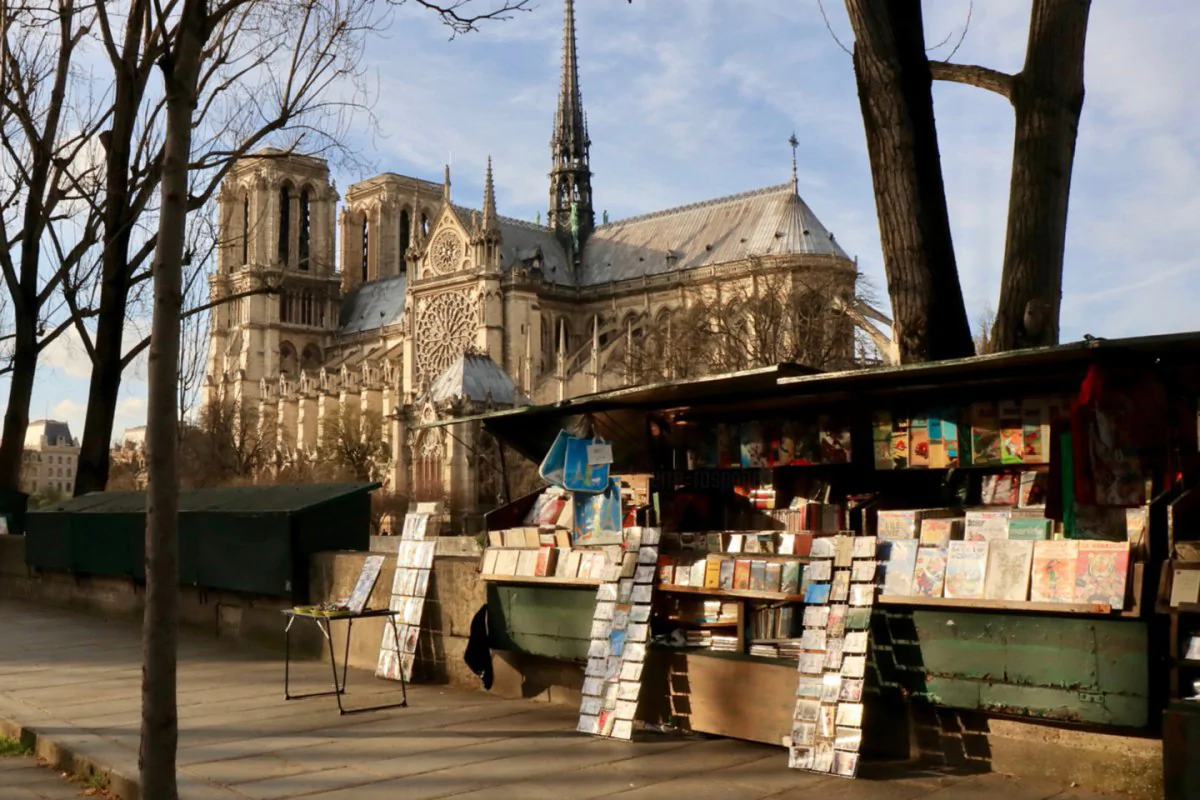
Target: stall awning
{"points": [[625, 414]]}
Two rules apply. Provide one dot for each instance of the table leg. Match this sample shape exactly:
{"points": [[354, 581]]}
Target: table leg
{"points": [[323, 626]]}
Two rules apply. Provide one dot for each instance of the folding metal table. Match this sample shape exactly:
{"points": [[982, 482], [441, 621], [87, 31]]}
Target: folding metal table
{"points": [[323, 622]]}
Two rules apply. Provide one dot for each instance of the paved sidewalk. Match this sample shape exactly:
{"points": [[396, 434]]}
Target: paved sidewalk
{"points": [[22, 778], [74, 679]]}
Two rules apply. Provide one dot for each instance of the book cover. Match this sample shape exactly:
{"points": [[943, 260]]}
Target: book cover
{"points": [[1012, 433], [835, 441], [489, 562], [918, 442], [773, 576], [725, 579], [1008, 566], [817, 593], [985, 434], [574, 560], [666, 570], [751, 442], [712, 573], [937, 445], [966, 564], [728, 454], [900, 443], [1035, 429], [950, 442], [1101, 573], [1029, 528], [896, 524], [699, 573], [929, 575], [777, 448], [1052, 579], [546, 561], [683, 574], [983, 526], [881, 439], [741, 574], [899, 566], [940, 531], [758, 576], [506, 562], [495, 538], [790, 577]]}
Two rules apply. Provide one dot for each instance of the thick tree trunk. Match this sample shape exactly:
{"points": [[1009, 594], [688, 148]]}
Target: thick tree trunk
{"points": [[1047, 96], [895, 92], [160, 631], [20, 394]]}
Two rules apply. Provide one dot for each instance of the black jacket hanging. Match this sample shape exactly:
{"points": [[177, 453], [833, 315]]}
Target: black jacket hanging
{"points": [[478, 655]]}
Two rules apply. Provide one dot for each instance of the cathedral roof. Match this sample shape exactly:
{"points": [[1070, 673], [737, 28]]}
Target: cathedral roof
{"points": [[521, 241], [373, 305], [769, 221], [475, 377]]}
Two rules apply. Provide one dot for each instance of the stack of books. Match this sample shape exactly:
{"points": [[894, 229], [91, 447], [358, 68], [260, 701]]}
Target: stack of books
{"points": [[725, 644]]}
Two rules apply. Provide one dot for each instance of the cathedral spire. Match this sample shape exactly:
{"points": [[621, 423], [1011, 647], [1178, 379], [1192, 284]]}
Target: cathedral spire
{"points": [[489, 199], [570, 174], [446, 185], [794, 142]]}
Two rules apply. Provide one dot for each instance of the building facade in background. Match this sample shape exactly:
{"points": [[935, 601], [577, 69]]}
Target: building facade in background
{"points": [[50, 459], [410, 305]]}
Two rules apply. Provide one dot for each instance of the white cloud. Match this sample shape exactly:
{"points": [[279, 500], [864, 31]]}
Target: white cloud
{"points": [[72, 413], [67, 355]]}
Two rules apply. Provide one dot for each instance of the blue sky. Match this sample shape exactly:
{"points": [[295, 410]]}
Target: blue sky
{"points": [[693, 99]]}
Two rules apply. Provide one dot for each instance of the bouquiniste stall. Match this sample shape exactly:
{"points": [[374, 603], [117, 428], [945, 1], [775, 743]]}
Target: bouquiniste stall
{"points": [[989, 534]]}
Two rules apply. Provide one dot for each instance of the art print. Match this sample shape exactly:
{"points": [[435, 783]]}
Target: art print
{"points": [[845, 764], [852, 690], [850, 714]]}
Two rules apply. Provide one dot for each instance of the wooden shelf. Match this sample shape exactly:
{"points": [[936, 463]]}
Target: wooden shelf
{"points": [[696, 624], [744, 594], [725, 655], [996, 605], [1186, 662], [593, 582], [759, 556]]}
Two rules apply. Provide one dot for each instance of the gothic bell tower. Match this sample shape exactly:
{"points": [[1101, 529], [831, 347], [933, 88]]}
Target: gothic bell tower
{"points": [[570, 214]]}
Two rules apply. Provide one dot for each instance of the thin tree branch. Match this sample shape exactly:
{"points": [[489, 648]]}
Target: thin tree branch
{"points": [[981, 77]]}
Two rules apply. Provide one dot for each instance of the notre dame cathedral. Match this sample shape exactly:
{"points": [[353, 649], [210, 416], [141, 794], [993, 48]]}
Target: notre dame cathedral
{"points": [[431, 308]]}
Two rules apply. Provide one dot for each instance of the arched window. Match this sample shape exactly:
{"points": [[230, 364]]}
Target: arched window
{"points": [[285, 223], [305, 222], [366, 247], [311, 359], [287, 358], [405, 236], [245, 229], [428, 468], [424, 224]]}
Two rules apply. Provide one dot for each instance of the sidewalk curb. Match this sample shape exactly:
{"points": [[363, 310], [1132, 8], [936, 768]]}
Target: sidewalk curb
{"points": [[70, 757]]}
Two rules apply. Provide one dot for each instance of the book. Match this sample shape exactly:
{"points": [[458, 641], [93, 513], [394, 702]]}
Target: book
{"points": [[506, 562], [950, 441], [489, 562], [985, 434], [773, 576], [900, 443], [899, 565], [966, 563], [712, 573], [1101, 573], [940, 531], [574, 561], [666, 570], [896, 524], [1029, 528], [918, 438], [881, 439], [983, 526], [790, 577], [367, 578], [741, 574], [937, 446], [546, 562], [725, 578], [699, 573], [1008, 566], [527, 561], [930, 573], [750, 439], [1052, 577], [817, 593], [1035, 429], [758, 576]]}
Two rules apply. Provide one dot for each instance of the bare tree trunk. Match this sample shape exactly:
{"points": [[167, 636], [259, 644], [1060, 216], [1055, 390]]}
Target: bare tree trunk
{"points": [[895, 92], [105, 386], [160, 631], [20, 394], [1047, 96]]}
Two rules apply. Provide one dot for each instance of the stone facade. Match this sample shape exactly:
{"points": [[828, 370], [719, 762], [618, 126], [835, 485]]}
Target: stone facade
{"points": [[424, 288], [50, 458]]}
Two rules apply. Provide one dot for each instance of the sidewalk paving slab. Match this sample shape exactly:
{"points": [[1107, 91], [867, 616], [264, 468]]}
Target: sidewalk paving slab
{"points": [[70, 682]]}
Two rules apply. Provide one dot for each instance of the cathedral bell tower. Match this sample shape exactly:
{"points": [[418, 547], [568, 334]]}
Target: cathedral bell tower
{"points": [[570, 215]]}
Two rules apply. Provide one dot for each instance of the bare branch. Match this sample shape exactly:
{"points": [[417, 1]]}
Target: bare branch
{"points": [[829, 27], [981, 77]]}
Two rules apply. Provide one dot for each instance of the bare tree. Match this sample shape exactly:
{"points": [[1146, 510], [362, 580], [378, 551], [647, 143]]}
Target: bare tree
{"points": [[1047, 100], [46, 125], [199, 43], [352, 443], [984, 324], [771, 316], [896, 95]]}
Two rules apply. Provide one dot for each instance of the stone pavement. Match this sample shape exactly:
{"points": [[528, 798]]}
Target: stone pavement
{"points": [[23, 778], [73, 679]]}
